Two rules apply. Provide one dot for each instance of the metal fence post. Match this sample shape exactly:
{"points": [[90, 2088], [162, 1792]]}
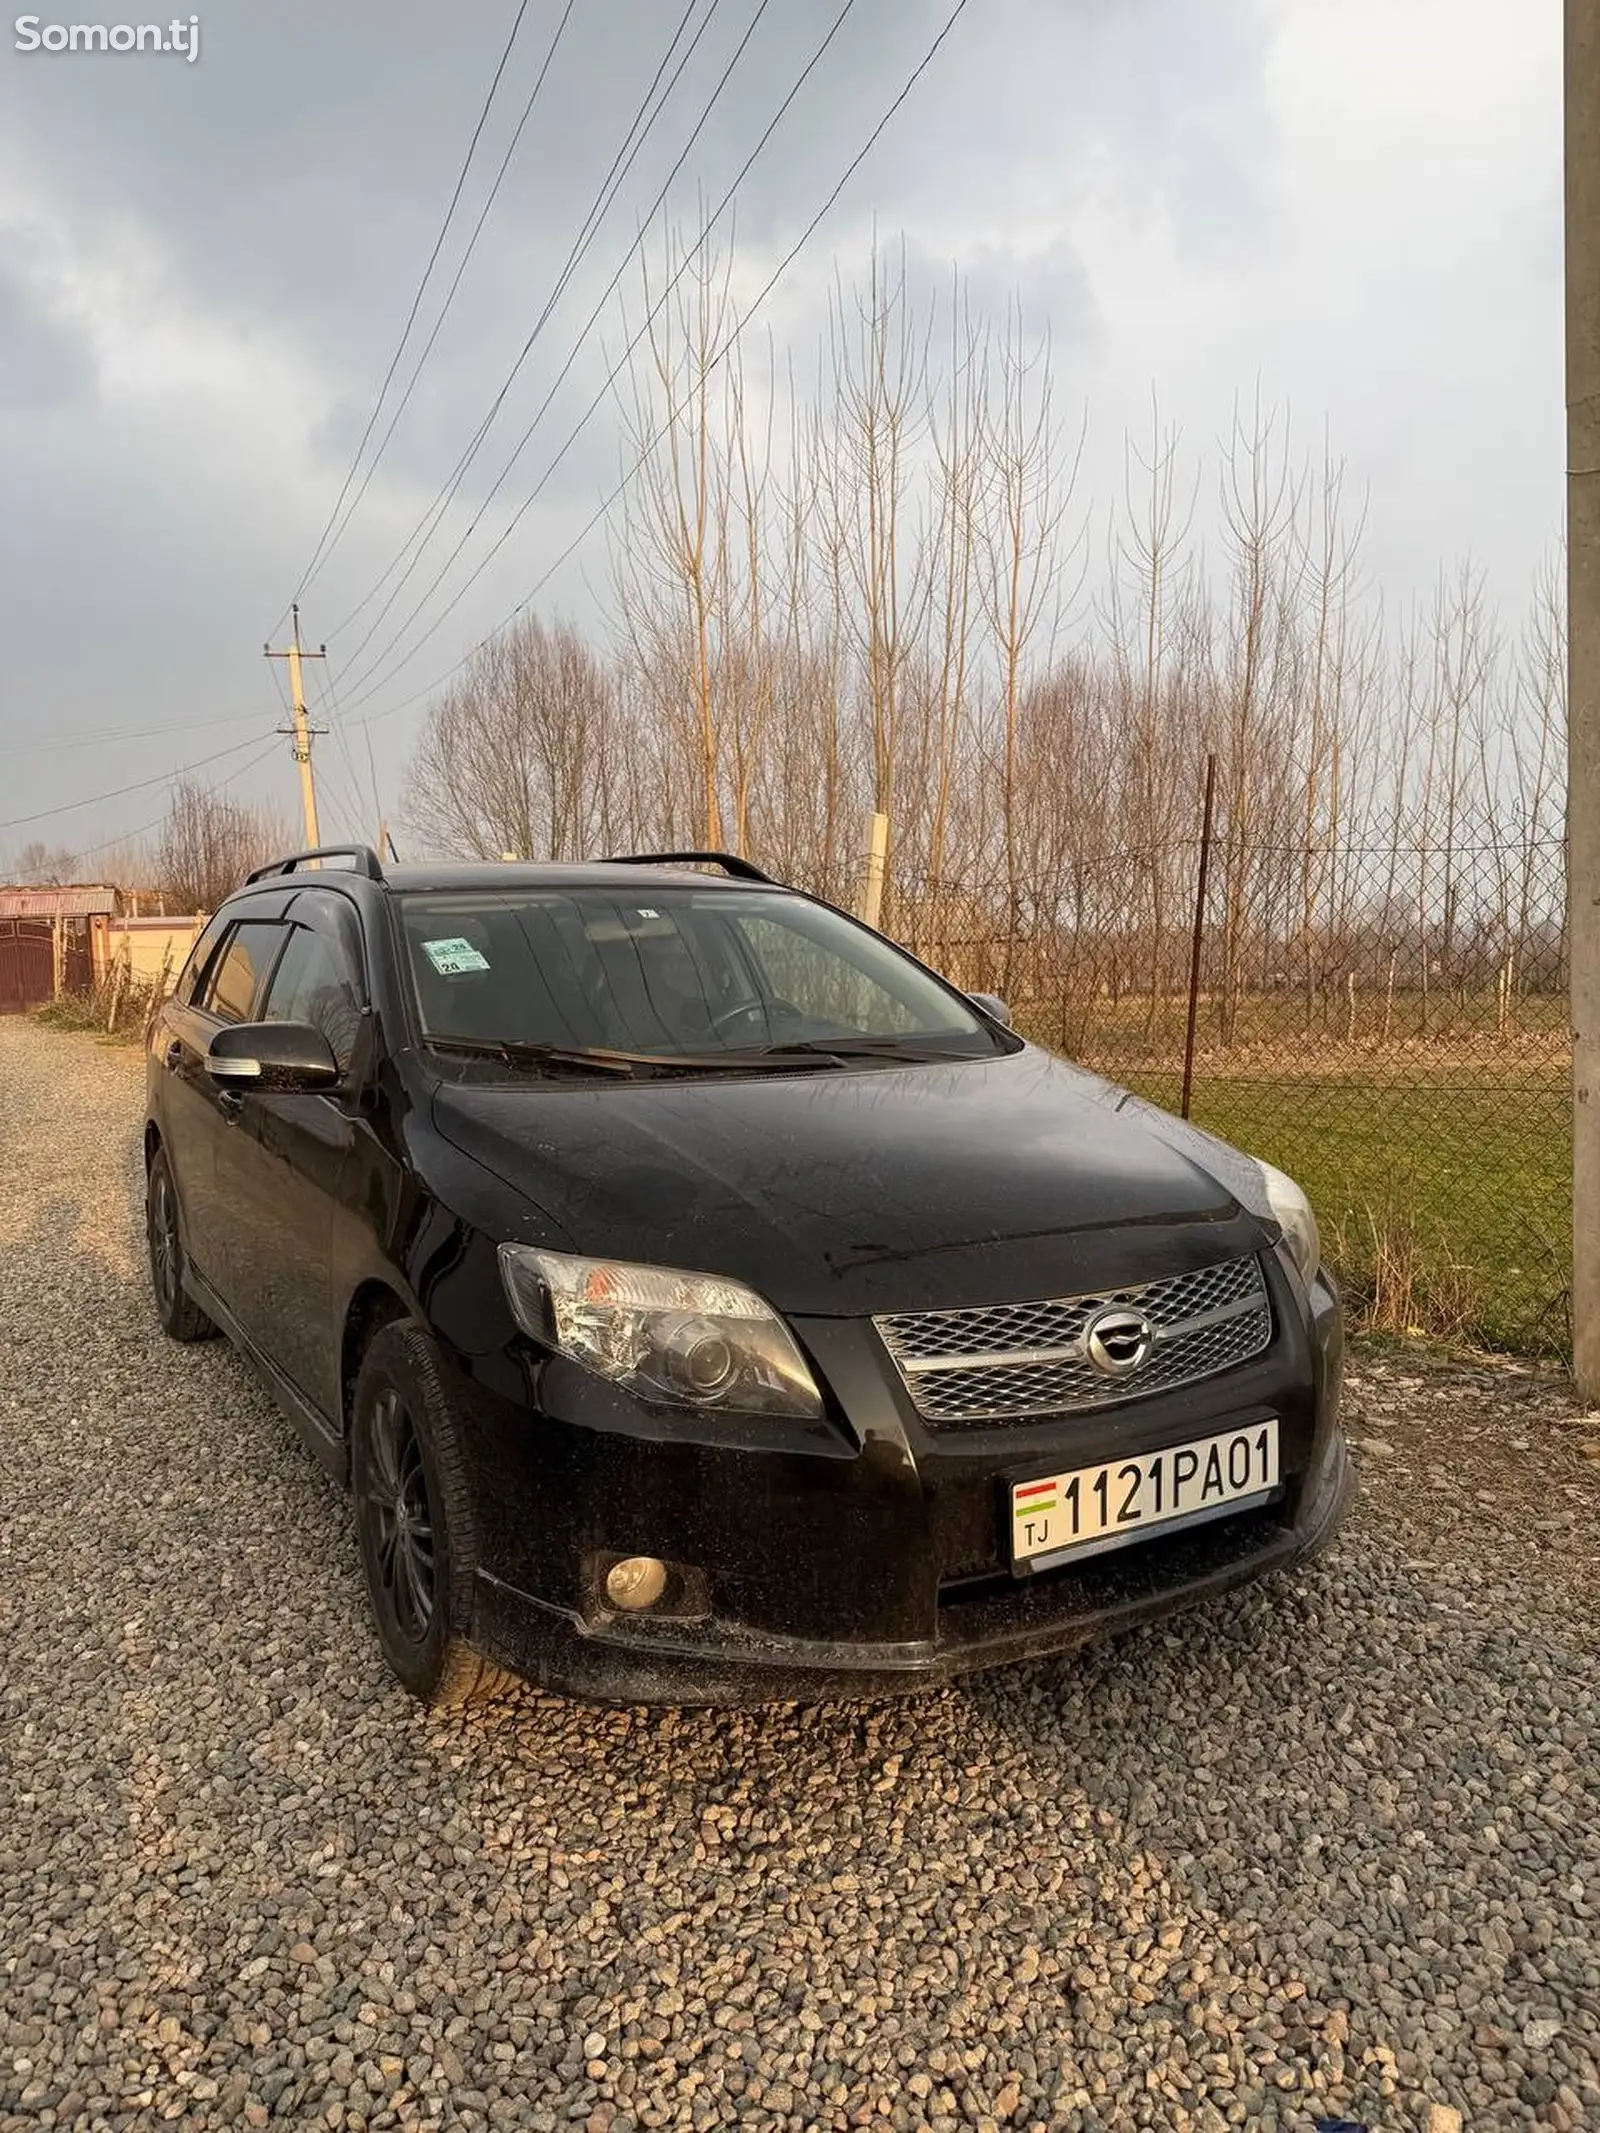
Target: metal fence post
{"points": [[1199, 932]]}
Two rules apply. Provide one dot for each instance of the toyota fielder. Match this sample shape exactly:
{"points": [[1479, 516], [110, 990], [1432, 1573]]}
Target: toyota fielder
{"points": [[707, 1302]]}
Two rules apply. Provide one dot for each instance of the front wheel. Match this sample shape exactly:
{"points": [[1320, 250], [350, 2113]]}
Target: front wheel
{"points": [[414, 1521], [181, 1317]]}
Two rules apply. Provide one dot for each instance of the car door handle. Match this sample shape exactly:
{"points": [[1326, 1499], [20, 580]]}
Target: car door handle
{"points": [[230, 1103], [175, 1052]]}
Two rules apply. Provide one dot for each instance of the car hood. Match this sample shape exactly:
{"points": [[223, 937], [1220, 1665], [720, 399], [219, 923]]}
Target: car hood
{"points": [[843, 1192]]}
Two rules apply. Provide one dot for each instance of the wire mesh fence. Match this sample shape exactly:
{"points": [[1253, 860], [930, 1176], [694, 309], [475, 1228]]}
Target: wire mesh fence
{"points": [[1385, 1020]]}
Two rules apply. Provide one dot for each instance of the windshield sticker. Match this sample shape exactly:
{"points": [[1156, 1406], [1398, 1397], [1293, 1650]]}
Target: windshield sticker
{"points": [[645, 912], [451, 958]]}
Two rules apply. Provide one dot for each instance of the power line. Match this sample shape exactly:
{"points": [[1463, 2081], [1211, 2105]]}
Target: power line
{"points": [[278, 683], [372, 760], [333, 712], [331, 785], [572, 355], [622, 162], [372, 768], [68, 807], [109, 736], [588, 230], [317, 556], [450, 294], [610, 501], [346, 795], [436, 510], [144, 829], [606, 384]]}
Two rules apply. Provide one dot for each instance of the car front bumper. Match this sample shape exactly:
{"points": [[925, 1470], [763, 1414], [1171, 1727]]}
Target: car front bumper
{"points": [[865, 1563]]}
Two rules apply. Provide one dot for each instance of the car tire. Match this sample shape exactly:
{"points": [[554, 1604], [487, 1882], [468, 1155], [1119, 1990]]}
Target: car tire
{"points": [[181, 1317], [414, 1521]]}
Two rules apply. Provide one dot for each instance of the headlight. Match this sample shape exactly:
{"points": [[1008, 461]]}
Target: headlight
{"points": [[694, 1339], [1291, 1210]]}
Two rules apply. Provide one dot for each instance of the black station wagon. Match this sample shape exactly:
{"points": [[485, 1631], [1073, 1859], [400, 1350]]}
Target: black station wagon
{"points": [[707, 1302]]}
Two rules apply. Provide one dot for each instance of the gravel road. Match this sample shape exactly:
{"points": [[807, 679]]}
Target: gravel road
{"points": [[1325, 1851]]}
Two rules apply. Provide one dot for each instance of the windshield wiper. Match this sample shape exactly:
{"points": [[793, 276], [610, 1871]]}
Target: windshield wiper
{"points": [[904, 1049], [599, 1060], [515, 1053]]}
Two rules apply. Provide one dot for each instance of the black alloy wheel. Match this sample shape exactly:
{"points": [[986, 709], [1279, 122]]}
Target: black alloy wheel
{"points": [[395, 1501], [180, 1316], [414, 1519]]}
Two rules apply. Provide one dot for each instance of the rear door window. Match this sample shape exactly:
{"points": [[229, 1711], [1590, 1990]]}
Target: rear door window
{"points": [[199, 955], [231, 986]]}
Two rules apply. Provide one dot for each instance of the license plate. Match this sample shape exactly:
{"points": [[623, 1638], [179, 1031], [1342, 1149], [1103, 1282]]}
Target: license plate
{"points": [[1093, 1508]]}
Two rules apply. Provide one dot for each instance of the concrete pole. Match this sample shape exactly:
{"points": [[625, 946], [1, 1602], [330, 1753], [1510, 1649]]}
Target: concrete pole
{"points": [[877, 857], [300, 730], [1582, 67], [302, 745]]}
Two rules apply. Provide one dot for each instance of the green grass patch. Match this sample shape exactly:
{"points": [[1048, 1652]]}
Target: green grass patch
{"points": [[1445, 1205]]}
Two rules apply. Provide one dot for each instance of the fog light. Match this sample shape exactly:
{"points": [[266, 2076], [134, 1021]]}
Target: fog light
{"points": [[637, 1581]]}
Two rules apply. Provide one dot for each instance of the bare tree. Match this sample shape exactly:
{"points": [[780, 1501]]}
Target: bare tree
{"points": [[208, 844], [1260, 501], [878, 352], [1021, 556], [1326, 575], [1147, 582], [515, 756], [957, 432], [45, 866], [672, 560], [846, 593]]}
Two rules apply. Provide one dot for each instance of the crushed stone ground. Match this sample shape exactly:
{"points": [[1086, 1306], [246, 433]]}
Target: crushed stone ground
{"points": [[1326, 1849]]}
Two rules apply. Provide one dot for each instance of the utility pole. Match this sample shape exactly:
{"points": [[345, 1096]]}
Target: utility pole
{"points": [[1582, 71], [300, 732]]}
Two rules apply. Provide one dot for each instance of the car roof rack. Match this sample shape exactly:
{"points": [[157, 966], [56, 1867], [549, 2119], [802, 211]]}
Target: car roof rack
{"points": [[366, 860], [730, 863]]}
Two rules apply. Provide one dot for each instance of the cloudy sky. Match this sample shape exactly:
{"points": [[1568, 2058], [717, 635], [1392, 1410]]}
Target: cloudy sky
{"points": [[1352, 206]]}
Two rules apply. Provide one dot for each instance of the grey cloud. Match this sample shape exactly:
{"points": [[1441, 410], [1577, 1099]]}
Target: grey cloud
{"points": [[46, 360], [298, 171], [287, 189]]}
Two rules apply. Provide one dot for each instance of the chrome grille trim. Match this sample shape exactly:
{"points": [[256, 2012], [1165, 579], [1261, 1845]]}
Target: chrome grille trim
{"points": [[996, 1362]]}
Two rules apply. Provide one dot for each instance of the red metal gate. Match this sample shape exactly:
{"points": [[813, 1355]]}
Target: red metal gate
{"points": [[27, 964]]}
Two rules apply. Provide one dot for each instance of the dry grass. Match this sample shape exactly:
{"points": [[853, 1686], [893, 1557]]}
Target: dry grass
{"points": [[119, 1006], [1402, 1277]]}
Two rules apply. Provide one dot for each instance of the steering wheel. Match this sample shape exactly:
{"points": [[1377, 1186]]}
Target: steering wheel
{"points": [[751, 1011], [766, 1013]]}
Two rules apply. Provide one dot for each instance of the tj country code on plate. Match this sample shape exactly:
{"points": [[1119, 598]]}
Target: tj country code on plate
{"points": [[1098, 1507]]}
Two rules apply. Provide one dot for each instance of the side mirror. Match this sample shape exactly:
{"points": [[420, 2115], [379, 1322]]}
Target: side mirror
{"points": [[993, 1006], [273, 1058]]}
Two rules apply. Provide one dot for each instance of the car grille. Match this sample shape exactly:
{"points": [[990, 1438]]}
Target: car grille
{"points": [[1008, 1360]]}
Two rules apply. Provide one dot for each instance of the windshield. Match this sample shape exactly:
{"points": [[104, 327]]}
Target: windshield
{"points": [[667, 974]]}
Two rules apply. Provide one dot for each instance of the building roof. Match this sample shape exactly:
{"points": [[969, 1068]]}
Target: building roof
{"points": [[74, 900]]}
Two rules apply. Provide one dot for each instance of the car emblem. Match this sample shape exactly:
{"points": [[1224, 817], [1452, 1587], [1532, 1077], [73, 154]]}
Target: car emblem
{"points": [[1117, 1340]]}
